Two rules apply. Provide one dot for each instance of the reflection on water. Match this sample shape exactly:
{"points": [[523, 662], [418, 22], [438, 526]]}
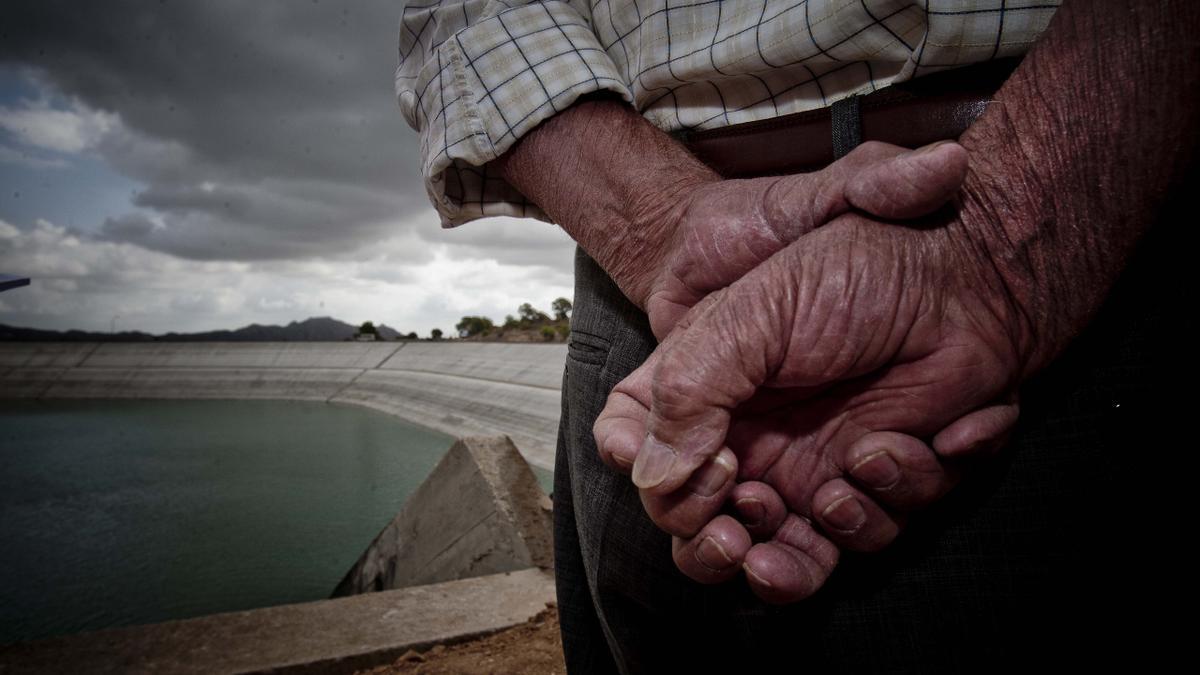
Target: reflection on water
{"points": [[124, 512]]}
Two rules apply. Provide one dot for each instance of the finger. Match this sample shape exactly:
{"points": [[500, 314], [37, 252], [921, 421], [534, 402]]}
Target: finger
{"points": [[793, 565], [621, 429], [882, 179], [621, 426], [685, 511], [897, 470], [909, 184], [853, 520], [715, 554], [701, 372], [696, 383], [667, 313], [982, 432], [759, 508]]}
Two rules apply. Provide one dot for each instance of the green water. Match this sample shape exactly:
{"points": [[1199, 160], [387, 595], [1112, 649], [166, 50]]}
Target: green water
{"points": [[115, 513]]}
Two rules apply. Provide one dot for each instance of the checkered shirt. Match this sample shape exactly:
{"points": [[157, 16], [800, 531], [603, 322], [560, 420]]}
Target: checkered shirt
{"points": [[476, 75]]}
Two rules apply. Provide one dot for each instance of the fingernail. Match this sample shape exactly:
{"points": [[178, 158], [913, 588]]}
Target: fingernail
{"points": [[711, 477], [845, 514], [653, 464], [753, 511], [757, 579], [622, 460], [712, 555], [877, 470]]}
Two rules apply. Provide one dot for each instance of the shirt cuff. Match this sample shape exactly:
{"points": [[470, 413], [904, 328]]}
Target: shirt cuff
{"points": [[489, 84]]}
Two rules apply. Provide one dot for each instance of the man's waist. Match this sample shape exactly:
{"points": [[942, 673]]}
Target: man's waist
{"points": [[910, 114]]}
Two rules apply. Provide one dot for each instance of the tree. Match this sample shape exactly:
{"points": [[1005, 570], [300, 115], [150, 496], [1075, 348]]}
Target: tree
{"points": [[367, 328], [436, 334], [510, 321], [529, 315], [547, 333], [412, 335], [561, 308], [473, 325]]}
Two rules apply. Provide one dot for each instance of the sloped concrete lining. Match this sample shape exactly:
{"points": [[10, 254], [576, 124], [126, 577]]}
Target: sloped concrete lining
{"points": [[19, 382], [242, 355], [45, 354], [456, 388], [479, 512], [331, 636], [531, 365], [461, 406], [305, 384]]}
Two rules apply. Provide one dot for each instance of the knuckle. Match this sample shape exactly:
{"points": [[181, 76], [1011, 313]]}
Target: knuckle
{"points": [[677, 389]]}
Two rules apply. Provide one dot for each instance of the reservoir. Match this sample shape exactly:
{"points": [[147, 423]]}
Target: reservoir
{"points": [[121, 512]]}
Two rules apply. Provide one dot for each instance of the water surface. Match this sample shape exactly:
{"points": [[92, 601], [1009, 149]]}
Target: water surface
{"points": [[124, 512]]}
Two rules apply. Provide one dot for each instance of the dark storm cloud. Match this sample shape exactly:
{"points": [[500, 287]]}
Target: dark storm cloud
{"points": [[129, 227], [261, 129]]}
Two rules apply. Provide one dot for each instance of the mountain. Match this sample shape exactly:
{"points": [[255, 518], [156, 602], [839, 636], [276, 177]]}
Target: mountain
{"points": [[316, 329]]}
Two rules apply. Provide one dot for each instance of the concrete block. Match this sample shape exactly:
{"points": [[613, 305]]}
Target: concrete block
{"points": [[330, 636], [479, 512]]}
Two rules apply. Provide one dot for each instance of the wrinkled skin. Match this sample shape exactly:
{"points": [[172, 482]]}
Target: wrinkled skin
{"points": [[826, 362], [725, 228]]}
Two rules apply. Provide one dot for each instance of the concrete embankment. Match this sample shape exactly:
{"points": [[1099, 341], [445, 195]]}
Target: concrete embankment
{"points": [[331, 636], [457, 388]]}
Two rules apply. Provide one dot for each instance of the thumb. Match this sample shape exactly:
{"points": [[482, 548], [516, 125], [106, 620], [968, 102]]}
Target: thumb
{"points": [[702, 373], [907, 185], [883, 180]]}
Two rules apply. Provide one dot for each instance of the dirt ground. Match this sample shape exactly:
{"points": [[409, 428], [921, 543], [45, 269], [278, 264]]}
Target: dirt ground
{"points": [[534, 647]]}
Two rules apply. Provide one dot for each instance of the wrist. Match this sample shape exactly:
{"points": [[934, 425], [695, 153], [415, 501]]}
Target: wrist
{"points": [[1071, 163], [1029, 209], [993, 262], [613, 182]]}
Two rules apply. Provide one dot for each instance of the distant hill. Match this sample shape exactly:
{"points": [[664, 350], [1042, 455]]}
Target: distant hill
{"points": [[316, 329]]}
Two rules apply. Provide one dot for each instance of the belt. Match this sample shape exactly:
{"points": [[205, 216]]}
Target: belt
{"points": [[910, 114]]}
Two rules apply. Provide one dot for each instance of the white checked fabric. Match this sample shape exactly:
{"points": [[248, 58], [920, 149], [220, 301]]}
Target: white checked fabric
{"points": [[476, 75]]}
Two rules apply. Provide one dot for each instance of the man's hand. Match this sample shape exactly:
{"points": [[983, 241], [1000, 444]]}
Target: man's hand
{"points": [[799, 376], [669, 231]]}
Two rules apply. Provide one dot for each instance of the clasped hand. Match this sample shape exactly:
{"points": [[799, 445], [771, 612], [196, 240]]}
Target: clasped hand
{"points": [[821, 366]]}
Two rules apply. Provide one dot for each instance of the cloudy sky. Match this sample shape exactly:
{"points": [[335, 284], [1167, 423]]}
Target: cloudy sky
{"points": [[188, 166]]}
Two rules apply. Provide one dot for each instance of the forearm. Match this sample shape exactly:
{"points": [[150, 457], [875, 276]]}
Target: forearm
{"points": [[612, 181], [1070, 165]]}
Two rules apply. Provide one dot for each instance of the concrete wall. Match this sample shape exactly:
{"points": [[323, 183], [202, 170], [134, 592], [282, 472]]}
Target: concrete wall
{"points": [[457, 388]]}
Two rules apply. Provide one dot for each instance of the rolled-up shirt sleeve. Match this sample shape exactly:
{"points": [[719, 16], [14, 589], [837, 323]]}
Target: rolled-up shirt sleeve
{"points": [[476, 75]]}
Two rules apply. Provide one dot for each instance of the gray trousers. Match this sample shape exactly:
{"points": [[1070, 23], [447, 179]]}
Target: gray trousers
{"points": [[1057, 552]]}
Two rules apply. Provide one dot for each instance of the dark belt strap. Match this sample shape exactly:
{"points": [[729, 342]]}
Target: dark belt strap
{"points": [[846, 120], [911, 114]]}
